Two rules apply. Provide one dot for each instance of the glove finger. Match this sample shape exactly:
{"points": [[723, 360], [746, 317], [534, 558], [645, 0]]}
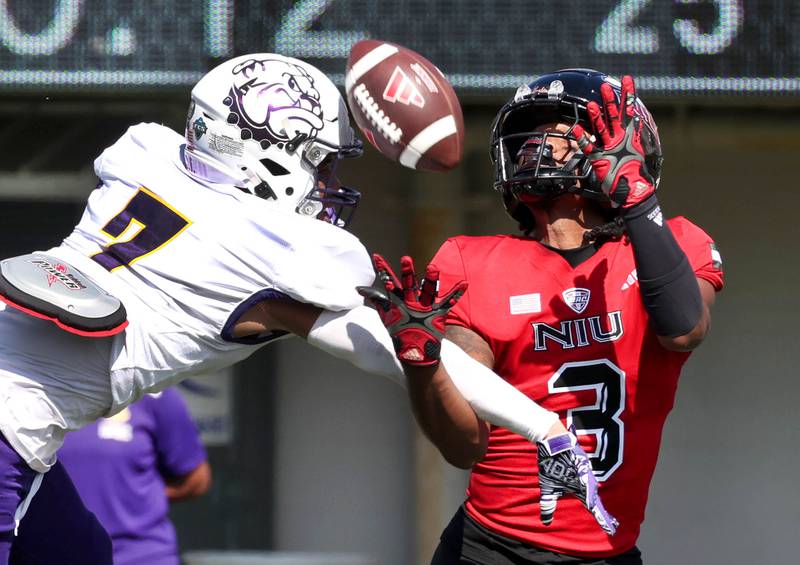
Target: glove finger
{"points": [[547, 506], [604, 519], [454, 295], [628, 99], [584, 141], [408, 278], [599, 125], [610, 105], [377, 297], [624, 97], [385, 273], [429, 287]]}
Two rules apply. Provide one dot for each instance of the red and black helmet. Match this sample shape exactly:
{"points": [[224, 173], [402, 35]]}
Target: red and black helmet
{"points": [[524, 166]]}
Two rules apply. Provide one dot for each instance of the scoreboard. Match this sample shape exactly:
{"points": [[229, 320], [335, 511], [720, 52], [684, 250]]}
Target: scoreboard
{"points": [[484, 46]]}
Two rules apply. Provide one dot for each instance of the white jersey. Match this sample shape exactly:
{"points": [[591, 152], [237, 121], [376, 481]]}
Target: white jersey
{"points": [[187, 260]]}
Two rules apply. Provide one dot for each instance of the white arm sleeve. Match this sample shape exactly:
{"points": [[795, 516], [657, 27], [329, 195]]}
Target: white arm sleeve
{"points": [[493, 398], [358, 336]]}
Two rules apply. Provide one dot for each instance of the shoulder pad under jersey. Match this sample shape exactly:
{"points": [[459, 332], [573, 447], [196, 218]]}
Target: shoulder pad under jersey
{"points": [[139, 144]]}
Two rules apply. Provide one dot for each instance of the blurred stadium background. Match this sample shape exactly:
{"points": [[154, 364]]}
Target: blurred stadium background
{"points": [[310, 455]]}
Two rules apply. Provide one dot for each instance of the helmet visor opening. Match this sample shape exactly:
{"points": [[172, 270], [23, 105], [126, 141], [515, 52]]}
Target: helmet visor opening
{"points": [[329, 200]]}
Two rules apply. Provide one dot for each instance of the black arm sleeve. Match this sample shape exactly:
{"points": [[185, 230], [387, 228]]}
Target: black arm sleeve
{"points": [[668, 284]]}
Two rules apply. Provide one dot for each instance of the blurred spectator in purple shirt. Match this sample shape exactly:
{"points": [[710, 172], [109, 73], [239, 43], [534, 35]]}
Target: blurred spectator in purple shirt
{"points": [[129, 467]]}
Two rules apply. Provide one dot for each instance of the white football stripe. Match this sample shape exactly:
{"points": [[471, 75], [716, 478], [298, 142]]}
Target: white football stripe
{"points": [[426, 139], [365, 63]]}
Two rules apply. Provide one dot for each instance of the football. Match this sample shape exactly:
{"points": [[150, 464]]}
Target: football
{"points": [[404, 106]]}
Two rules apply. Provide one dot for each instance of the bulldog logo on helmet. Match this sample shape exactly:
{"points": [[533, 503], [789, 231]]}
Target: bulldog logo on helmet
{"points": [[272, 101]]}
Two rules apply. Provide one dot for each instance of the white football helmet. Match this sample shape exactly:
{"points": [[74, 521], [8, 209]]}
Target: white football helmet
{"points": [[276, 127]]}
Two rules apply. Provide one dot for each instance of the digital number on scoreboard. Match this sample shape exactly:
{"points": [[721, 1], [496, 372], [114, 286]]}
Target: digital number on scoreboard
{"points": [[691, 46]]}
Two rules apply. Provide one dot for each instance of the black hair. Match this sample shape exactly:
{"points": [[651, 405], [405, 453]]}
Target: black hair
{"points": [[610, 231]]}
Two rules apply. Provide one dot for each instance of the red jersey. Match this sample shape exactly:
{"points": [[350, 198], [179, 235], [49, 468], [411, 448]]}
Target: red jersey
{"points": [[578, 342]]}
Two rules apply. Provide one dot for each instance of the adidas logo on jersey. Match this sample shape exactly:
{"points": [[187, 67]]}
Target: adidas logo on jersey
{"points": [[580, 332], [631, 279]]}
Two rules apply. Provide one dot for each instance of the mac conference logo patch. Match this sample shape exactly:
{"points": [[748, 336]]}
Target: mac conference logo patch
{"points": [[577, 298]]}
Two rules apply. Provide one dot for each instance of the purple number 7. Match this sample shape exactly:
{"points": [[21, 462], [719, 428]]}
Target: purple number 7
{"points": [[153, 224]]}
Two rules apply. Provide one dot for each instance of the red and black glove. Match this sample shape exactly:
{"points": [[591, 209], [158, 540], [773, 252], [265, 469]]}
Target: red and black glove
{"points": [[619, 164], [411, 313]]}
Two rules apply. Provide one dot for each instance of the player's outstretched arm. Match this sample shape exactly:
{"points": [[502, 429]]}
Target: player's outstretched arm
{"points": [[360, 337]]}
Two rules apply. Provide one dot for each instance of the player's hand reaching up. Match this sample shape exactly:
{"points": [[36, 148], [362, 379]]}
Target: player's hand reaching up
{"points": [[564, 468], [411, 312], [618, 160]]}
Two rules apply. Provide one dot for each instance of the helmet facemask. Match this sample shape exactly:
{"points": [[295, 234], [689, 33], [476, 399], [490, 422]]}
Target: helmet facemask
{"points": [[329, 201], [524, 152]]}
